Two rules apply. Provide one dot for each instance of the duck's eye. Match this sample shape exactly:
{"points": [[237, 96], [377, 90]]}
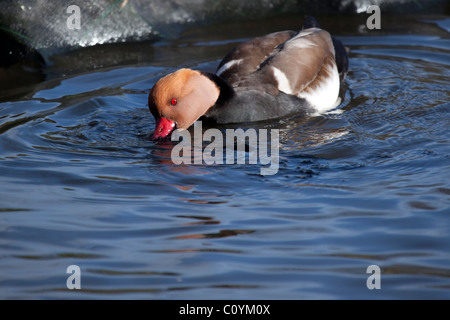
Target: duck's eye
{"points": [[173, 101]]}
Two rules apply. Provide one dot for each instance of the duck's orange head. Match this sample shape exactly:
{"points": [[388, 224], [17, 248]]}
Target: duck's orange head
{"points": [[179, 99]]}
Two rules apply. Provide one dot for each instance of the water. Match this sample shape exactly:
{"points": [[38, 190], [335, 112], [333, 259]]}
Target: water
{"points": [[82, 183]]}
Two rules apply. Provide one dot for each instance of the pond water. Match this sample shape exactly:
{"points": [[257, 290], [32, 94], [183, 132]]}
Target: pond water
{"points": [[82, 184]]}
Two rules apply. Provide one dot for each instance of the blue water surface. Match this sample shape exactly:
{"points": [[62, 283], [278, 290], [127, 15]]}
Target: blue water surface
{"points": [[82, 183]]}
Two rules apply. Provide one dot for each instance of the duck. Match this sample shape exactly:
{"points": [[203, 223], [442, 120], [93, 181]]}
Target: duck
{"points": [[268, 77]]}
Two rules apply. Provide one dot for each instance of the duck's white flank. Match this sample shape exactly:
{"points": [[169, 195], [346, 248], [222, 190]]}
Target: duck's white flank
{"points": [[323, 98]]}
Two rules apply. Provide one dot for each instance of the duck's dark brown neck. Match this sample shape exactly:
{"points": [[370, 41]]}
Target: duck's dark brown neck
{"points": [[226, 91]]}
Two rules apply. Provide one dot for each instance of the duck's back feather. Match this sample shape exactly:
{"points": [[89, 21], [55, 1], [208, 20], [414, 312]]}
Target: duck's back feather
{"points": [[247, 57], [300, 63]]}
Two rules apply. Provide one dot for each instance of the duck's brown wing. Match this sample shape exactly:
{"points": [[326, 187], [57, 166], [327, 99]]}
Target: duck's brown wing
{"points": [[304, 66], [247, 57], [303, 61]]}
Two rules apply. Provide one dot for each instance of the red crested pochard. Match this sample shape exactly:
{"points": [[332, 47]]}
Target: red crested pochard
{"points": [[268, 77]]}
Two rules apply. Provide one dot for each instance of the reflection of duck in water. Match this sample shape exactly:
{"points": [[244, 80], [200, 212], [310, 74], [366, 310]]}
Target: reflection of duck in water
{"points": [[272, 76]]}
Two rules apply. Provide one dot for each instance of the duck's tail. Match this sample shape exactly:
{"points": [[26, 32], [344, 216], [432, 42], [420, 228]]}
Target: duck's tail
{"points": [[310, 22], [341, 56]]}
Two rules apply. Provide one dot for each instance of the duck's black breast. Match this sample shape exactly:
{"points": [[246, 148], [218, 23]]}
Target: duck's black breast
{"points": [[256, 105], [248, 104]]}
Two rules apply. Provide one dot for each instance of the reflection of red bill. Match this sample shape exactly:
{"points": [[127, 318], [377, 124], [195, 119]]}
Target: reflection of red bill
{"points": [[163, 128]]}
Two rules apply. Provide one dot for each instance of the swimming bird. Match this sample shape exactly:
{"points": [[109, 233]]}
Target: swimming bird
{"points": [[272, 76]]}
